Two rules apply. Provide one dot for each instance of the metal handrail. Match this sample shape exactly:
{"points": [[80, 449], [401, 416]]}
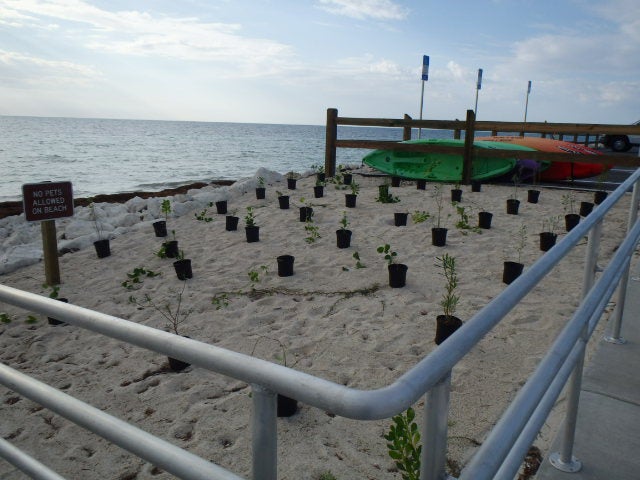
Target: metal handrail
{"points": [[340, 400]]}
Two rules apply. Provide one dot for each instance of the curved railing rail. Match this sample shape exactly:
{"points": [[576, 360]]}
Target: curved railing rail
{"points": [[431, 375]]}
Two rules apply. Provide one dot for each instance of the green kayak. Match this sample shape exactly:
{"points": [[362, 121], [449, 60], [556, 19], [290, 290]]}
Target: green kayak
{"points": [[441, 167]]}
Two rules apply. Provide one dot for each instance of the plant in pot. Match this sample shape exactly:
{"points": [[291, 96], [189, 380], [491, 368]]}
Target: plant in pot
{"points": [[350, 198], [343, 235], [231, 221], [286, 406], [463, 220], [101, 245], [319, 171], [384, 196], [347, 177], [571, 218], [438, 233], [251, 229], [318, 189], [484, 218], [182, 266], [160, 226], [306, 210], [513, 270], [54, 291], [260, 189], [292, 178], [312, 231], [169, 248], [585, 208], [221, 207], [513, 204], [397, 271], [549, 234], [283, 200], [202, 216], [420, 216], [456, 193], [600, 194], [174, 319], [447, 323]]}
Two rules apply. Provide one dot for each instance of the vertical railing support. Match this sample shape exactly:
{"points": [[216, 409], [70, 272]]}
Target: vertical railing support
{"points": [[406, 131], [330, 142], [435, 426], [265, 438], [615, 326]]}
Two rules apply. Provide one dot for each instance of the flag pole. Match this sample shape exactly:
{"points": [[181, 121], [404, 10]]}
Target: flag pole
{"points": [[478, 87], [425, 77]]}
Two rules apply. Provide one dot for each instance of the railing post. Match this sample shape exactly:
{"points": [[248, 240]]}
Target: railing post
{"points": [[615, 325], [406, 131], [265, 438], [470, 132], [330, 142]]}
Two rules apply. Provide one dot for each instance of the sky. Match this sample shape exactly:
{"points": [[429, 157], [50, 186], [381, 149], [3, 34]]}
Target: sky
{"points": [[287, 61]]}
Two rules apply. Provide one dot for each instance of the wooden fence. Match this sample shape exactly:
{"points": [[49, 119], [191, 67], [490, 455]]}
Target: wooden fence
{"points": [[470, 126]]}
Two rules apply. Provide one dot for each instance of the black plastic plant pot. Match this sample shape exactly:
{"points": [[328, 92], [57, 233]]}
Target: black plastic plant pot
{"points": [[343, 238], [585, 208], [102, 247], [306, 214], [318, 191], [177, 365], [253, 234], [511, 271], [421, 184], [456, 195], [285, 265], [484, 220], [183, 269], [347, 178], [599, 196], [320, 176], [291, 183], [171, 249], [221, 207], [350, 200], [260, 193], [571, 221], [547, 240], [55, 321], [476, 186], [286, 407], [160, 228], [533, 196], [438, 236], [446, 325], [283, 201], [395, 181], [231, 223], [400, 219], [513, 206], [397, 275]]}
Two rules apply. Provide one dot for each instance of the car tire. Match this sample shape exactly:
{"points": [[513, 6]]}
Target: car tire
{"points": [[620, 143]]}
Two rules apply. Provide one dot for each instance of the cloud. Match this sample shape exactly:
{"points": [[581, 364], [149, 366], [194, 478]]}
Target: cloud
{"points": [[362, 9]]}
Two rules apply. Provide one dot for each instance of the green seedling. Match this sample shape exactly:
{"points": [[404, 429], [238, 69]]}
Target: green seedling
{"points": [[5, 318], [312, 231], [356, 257], [389, 255], [220, 301], [403, 444], [135, 278], [449, 300], [202, 216], [249, 218], [420, 216], [165, 207]]}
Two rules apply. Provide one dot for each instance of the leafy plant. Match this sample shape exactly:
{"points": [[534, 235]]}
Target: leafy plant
{"points": [[260, 182], [438, 197], [449, 300], [319, 183], [5, 318], [175, 318], [312, 231], [420, 216], [355, 188], [569, 201], [356, 257], [220, 301], [135, 278], [463, 222], [344, 222], [551, 224], [389, 255], [327, 476], [254, 274], [165, 207], [520, 240], [292, 175], [384, 196], [317, 168], [202, 216], [94, 217], [249, 218], [403, 444], [53, 290], [180, 255], [31, 320], [162, 252]]}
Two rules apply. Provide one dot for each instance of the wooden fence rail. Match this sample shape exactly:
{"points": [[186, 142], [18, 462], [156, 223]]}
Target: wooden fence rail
{"points": [[470, 126]]}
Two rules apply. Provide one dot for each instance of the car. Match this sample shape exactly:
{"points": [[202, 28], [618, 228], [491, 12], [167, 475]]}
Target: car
{"points": [[621, 143]]}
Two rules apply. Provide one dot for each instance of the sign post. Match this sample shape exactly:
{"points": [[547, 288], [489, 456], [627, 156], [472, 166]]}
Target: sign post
{"points": [[478, 87], [425, 77], [44, 202]]}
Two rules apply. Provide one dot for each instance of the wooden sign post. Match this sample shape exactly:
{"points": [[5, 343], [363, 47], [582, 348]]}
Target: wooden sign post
{"points": [[44, 202]]}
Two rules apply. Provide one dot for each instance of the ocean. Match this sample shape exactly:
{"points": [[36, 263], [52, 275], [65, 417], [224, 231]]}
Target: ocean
{"points": [[113, 156]]}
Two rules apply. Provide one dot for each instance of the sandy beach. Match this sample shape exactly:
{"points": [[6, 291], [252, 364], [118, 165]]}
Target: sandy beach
{"points": [[334, 320]]}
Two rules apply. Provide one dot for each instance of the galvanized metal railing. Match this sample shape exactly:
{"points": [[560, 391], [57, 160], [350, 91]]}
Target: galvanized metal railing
{"points": [[499, 456]]}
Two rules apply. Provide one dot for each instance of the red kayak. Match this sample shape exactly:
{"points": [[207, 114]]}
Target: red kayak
{"points": [[557, 170]]}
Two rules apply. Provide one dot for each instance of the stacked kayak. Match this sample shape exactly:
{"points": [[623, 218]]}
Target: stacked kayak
{"points": [[443, 167], [556, 170]]}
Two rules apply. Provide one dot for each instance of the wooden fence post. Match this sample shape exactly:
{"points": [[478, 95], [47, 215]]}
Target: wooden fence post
{"points": [[470, 132], [406, 132], [330, 143], [50, 250]]}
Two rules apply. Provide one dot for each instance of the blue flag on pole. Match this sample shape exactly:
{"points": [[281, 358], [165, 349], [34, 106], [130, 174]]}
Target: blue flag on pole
{"points": [[529, 87], [425, 67], [479, 78]]}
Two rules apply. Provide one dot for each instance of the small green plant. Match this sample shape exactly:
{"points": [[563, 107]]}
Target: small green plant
{"points": [[31, 320], [292, 175], [249, 218], [162, 251], [174, 318], [449, 300], [403, 444], [327, 476], [463, 221], [355, 188], [220, 300], [384, 196], [254, 274], [180, 255], [569, 201], [202, 216], [438, 197], [135, 278], [165, 207], [5, 318], [317, 168], [54, 290], [420, 216], [551, 224], [319, 183], [312, 231], [344, 222], [389, 255], [260, 182], [356, 257], [520, 240], [96, 223]]}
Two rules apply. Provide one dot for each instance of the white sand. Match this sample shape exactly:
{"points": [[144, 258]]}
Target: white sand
{"points": [[337, 322]]}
